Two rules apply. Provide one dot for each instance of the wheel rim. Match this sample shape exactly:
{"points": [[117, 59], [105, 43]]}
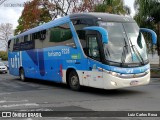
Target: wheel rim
{"points": [[22, 75], [74, 81]]}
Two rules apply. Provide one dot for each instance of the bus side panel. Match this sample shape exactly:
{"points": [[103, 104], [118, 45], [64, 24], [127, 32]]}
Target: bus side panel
{"points": [[54, 63], [59, 59], [14, 62], [29, 63]]}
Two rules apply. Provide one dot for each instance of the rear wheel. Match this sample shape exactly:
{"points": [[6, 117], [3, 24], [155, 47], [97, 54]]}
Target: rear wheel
{"points": [[74, 81], [22, 75]]}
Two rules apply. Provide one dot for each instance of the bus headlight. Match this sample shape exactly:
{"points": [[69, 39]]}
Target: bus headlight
{"points": [[113, 83], [114, 74]]}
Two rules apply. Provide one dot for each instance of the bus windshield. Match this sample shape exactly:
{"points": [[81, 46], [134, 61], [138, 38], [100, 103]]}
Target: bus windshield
{"points": [[125, 45]]}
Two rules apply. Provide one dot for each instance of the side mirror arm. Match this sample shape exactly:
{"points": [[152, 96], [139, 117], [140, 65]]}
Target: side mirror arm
{"points": [[154, 35]]}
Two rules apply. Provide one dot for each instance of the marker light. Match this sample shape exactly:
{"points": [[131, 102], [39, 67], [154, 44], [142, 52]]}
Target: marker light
{"points": [[114, 73]]}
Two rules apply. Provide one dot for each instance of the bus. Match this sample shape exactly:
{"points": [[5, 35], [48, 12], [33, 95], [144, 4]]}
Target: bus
{"points": [[98, 50]]}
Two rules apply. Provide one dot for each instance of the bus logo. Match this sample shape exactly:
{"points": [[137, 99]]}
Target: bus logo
{"points": [[16, 61]]}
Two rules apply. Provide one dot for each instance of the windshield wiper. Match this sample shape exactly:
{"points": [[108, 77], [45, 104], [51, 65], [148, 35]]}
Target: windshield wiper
{"points": [[123, 58], [135, 50], [138, 54]]}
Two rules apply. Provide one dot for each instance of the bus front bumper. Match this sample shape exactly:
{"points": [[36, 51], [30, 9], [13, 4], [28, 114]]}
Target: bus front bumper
{"points": [[113, 82]]}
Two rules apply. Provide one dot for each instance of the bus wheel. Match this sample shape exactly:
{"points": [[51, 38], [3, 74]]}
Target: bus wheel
{"points": [[74, 81], [22, 75]]}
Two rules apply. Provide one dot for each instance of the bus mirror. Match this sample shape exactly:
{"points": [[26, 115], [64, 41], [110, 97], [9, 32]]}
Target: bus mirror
{"points": [[153, 34], [101, 30]]}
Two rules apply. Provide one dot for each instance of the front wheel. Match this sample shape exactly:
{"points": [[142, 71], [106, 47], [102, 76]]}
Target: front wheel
{"points": [[74, 81], [22, 75]]}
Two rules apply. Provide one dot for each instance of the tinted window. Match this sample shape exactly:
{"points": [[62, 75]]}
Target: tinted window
{"points": [[10, 45], [39, 38], [27, 45], [22, 43], [61, 35], [25, 38], [16, 46]]}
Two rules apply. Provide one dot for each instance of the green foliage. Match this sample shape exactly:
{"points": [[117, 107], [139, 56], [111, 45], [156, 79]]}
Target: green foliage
{"points": [[113, 7], [34, 14], [3, 55], [37, 12], [147, 12], [148, 16]]}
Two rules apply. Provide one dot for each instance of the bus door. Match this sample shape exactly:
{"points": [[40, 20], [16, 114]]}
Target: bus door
{"points": [[95, 68]]}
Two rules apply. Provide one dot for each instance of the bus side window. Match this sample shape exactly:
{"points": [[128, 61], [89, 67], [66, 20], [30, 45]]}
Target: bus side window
{"points": [[61, 35], [21, 39], [16, 45], [10, 45], [42, 35], [25, 38], [26, 43]]}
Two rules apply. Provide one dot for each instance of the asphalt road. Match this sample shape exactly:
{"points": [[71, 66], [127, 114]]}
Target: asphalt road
{"points": [[36, 95]]}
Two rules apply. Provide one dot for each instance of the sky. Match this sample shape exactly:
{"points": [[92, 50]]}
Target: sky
{"points": [[10, 10]]}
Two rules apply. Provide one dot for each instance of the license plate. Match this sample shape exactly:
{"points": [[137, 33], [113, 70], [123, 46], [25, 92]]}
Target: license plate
{"points": [[133, 83]]}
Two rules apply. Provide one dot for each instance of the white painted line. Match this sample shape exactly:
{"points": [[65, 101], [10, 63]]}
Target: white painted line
{"points": [[4, 101], [39, 109], [18, 105], [5, 93]]}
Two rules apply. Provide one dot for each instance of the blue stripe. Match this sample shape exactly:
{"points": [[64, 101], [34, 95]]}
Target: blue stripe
{"points": [[128, 70], [41, 62]]}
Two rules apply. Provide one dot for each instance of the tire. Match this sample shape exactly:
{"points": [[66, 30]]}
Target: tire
{"points": [[22, 75], [74, 81]]}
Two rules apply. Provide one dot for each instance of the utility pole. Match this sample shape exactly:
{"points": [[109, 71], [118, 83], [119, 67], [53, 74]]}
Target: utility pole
{"points": [[158, 40]]}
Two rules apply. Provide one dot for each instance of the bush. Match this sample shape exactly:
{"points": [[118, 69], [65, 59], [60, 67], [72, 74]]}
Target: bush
{"points": [[3, 55]]}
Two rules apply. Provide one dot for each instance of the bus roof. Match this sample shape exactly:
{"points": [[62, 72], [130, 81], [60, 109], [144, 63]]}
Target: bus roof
{"points": [[103, 17], [44, 26], [94, 15]]}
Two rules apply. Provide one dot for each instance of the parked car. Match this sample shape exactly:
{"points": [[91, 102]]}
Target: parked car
{"points": [[3, 68], [6, 64]]}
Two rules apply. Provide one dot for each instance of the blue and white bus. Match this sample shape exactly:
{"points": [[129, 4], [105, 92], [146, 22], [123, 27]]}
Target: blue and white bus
{"points": [[89, 49]]}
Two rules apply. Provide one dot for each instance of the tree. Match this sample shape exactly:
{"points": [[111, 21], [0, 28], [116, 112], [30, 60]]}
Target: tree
{"points": [[6, 32], [113, 7], [62, 7], [38, 12], [147, 10], [148, 15], [3, 55], [86, 6], [34, 14]]}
